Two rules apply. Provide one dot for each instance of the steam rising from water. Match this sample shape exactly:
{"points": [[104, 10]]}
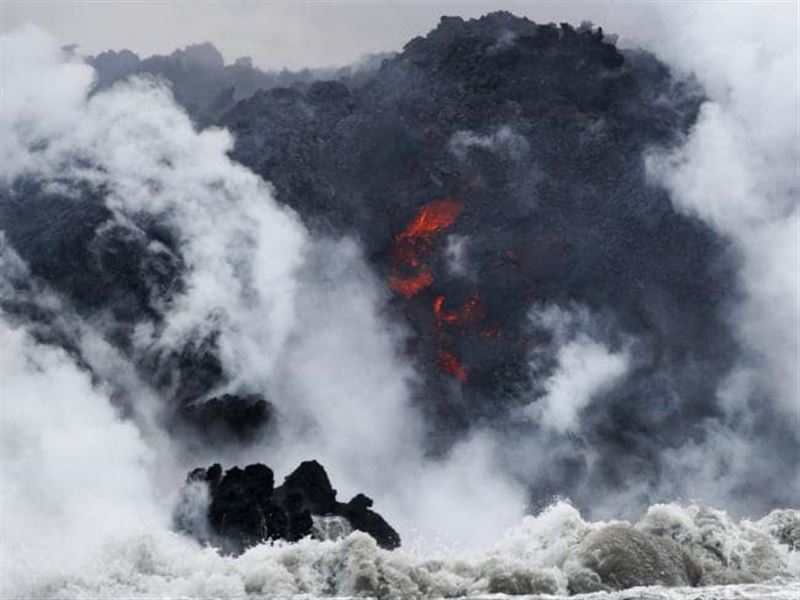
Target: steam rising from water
{"points": [[739, 171], [73, 472]]}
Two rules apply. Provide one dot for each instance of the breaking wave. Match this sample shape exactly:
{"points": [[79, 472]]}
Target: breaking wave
{"points": [[555, 553]]}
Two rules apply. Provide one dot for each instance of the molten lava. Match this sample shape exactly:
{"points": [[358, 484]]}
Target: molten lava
{"points": [[471, 311], [410, 286], [443, 316], [413, 245], [450, 364], [411, 273], [432, 218]]}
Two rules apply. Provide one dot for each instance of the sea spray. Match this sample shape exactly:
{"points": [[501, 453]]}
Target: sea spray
{"points": [[544, 554]]}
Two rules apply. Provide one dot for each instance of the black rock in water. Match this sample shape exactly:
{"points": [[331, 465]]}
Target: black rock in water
{"points": [[245, 508], [308, 488]]}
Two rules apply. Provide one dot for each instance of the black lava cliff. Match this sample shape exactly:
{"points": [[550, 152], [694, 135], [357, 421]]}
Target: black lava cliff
{"points": [[245, 508]]}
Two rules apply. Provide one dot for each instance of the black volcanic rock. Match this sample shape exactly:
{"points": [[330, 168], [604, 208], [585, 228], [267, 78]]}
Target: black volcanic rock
{"points": [[246, 509], [538, 133], [308, 488], [358, 512], [72, 241], [201, 81]]}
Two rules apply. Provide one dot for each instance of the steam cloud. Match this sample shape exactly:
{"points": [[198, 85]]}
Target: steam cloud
{"points": [[297, 320], [738, 171], [585, 368]]}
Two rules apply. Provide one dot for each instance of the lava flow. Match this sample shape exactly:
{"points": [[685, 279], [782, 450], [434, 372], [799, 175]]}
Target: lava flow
{"points": [[471, 311], [413, 245], [450, 364], [412, 250], [410, 286], [432, 218]]}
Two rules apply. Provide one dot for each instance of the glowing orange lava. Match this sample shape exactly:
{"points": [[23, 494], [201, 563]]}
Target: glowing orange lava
{"points": [[411, 273], [410, 286], [413, 245], [450, 364], [443, 316], [432, 218], [471, 311]]}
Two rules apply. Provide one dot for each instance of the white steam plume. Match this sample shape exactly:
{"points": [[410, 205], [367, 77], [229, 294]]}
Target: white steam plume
{"points": [[504, 141], [585, 368], [73, 473], [739, 171], [739, 168], [298, 319]]}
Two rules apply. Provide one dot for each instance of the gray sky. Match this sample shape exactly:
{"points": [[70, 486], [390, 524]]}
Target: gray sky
{"points": [[292, 34]]}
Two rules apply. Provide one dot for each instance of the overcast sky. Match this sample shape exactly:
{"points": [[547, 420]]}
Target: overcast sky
{"points": [[291, 34]]}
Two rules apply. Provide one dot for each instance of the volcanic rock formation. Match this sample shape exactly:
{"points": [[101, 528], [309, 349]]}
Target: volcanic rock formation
{"points": [[203, 83], [245, 508], [497, 165]]}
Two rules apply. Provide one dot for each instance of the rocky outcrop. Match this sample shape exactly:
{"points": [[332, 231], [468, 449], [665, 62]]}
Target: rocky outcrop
{"points": [[245, 508]]}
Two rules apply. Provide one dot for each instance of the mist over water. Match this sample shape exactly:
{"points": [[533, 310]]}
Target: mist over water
{"points": [[91, 467]]}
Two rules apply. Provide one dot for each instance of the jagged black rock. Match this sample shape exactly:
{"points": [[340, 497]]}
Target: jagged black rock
{"points": [[245, 508]]}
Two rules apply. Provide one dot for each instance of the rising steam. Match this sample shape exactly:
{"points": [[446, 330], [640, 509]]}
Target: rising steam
{"points": [[296, 320]]}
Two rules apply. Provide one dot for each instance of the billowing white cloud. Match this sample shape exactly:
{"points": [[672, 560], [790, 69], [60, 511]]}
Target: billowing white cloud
{"points": [[74, 473], [738, 169], [585, 369]]}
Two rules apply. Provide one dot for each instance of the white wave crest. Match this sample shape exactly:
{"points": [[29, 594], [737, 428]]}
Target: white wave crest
{"points": [[544, 554]]}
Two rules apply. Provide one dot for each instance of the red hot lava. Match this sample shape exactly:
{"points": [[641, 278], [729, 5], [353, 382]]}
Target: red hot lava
{"points": [[412, 250], [443, 316], [450, 364], [471, 311], [432, 218], [410, 286], [412, 245]]}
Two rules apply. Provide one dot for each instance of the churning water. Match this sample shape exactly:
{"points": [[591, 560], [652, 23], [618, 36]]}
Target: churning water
{"points": [[672, 552]]}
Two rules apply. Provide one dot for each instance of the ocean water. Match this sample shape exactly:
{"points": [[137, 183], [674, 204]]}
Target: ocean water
{"points": [[543, 557]]}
